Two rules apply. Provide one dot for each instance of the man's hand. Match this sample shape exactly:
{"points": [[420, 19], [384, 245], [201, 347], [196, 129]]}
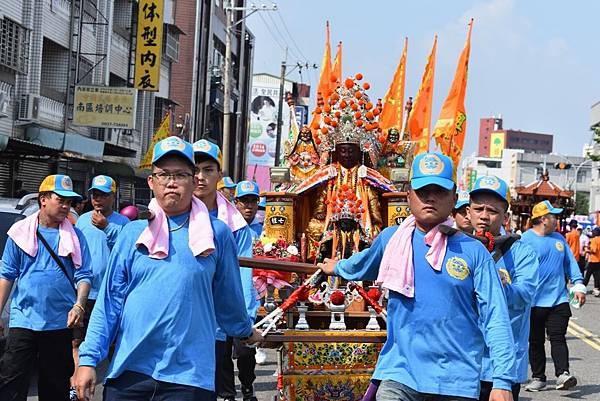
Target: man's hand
{"points": [[500, 395], [579, 296], [75, 317], [255, 338], [328, 266], [85, 382], [99, 220]]}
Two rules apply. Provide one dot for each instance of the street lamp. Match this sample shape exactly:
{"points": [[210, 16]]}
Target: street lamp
{"points": [[575, 179]]}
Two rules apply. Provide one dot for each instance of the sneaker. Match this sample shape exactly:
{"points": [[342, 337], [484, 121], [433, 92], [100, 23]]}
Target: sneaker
{"points": [[565, 381], [261, 356], [536, 384], [596, 292], [73, 394], [248, 393]]}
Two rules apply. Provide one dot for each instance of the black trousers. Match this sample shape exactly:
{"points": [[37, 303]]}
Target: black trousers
{"points": [[486, 389], [52, 351], [224, 375], [554, 321], [592, 270]]}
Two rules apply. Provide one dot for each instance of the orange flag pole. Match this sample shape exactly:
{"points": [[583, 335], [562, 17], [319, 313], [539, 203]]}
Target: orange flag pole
{"points": [[393, 101], [324, 79], [419, 119], [451, 127], [336, 69]]}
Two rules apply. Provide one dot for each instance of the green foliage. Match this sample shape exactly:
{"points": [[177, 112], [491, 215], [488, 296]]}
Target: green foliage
{"points": [[583, 204]]}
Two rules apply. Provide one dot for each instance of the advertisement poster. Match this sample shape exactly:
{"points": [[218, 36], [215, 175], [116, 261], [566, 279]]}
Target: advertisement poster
{"points": [[263, 132]]}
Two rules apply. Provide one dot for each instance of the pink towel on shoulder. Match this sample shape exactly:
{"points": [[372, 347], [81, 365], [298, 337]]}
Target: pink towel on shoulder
{"points": [[229, 214], [24, 233], [155, 237], [397, 272]]}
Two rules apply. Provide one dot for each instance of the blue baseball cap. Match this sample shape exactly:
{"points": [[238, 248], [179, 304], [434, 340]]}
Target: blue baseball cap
{"points": [[60, 184], [204, 147], [104, 184], [244, 188], [228, 182], [493, 185], [173, 145], [463, 199], [432, 168], [262, 203]]}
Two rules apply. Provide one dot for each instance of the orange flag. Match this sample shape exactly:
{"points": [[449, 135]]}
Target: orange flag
{"points": [[451, 127], [324, 78], [419, 120], [393, 106], [336, 70]]}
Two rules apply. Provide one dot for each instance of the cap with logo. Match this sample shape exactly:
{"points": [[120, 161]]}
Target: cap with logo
{"points": [[432, 168], [173, 145], [228, 182], [543, 208], [62, 185], [244, 188], [493, 185], [204, 147], [104, 184], [463, 199]]}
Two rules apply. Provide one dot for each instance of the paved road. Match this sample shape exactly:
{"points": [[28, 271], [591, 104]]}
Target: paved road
{"points": [[584, 346]]}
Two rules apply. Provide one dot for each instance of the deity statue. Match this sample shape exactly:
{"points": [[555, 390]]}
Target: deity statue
{"points": [[303, 158], [346, 210]]}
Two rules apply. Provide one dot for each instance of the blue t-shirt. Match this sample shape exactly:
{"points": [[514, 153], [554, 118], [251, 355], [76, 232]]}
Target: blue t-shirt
{"points": [[520, 268], [434, 341], [243, 238], [257, 229], [100, 242], [556, 263], [163, 313], [43, 295]]}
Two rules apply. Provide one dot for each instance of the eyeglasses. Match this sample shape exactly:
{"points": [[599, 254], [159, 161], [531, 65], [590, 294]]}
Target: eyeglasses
{"points": [[164, 177]]}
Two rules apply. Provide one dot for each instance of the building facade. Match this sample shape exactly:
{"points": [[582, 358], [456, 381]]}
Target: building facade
{"points": [[47, 48], [493, 139], [594, 151]]}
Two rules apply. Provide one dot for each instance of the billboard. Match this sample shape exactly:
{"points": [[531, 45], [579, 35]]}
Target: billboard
{"points": [[149, 45], [497, 143], [104, 107], [262, 135]]}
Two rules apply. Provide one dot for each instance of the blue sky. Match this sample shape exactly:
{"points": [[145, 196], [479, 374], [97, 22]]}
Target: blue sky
{"points": [[535, 62]]}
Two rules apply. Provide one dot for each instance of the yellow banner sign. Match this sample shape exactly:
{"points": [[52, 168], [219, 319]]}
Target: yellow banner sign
{"points": [[104, 107], [149, 44], [161, 133], [497, 143]]}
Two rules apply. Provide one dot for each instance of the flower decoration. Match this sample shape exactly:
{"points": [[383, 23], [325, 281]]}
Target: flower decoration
{"points": [[276, 249]]}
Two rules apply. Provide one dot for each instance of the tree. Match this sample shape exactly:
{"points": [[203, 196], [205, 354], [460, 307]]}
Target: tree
{"points": [[583, 204]]}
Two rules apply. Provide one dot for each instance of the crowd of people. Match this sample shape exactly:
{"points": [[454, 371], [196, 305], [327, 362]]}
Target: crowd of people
{"points": [[165, 299]]}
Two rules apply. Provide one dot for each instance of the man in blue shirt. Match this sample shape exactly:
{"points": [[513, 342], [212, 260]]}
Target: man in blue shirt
{"points": [[209, 173], [162, 312], [53, 282], [517, 266], [550, 310], [247, 198], [460, 213], [101, 226], [435, 344]]}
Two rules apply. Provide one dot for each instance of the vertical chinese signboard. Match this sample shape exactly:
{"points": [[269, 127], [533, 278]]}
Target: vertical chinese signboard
{"points": [[149, 44], [497, 143]]}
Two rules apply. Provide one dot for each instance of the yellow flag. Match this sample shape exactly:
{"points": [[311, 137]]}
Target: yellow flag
{"points": [[419, 120], [393, 102], [451, 127], [161, 133]]}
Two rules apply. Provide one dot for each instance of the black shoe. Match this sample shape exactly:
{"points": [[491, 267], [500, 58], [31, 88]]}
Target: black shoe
{"points": [[248, 393]]}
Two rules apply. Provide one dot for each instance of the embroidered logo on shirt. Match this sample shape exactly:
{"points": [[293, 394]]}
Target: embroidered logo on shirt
{"points": [[457, 268], [559, 246], [505, 276]]}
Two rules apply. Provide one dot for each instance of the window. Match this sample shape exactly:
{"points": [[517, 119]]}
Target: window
{"points": [[171, 43], [582, 176], [14, 45]]}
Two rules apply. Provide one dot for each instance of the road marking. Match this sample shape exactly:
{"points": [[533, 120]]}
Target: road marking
{"points": [[584, 335]]}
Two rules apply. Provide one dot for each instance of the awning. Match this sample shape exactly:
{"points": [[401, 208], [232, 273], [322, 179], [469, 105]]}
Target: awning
{"points": [[113, 169], [110, 149], [71, 145], [11, 146]]}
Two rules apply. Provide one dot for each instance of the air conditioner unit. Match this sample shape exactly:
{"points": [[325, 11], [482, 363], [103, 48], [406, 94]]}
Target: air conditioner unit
{"points": [[3, 105], [29, 107]]}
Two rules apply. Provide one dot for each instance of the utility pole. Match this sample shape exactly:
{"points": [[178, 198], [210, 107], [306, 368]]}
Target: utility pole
{"points": [[280, 111], [230, 8]]}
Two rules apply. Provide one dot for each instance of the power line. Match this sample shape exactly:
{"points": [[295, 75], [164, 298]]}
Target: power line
{"points": [[290, 35], [271, 32], [278, 31]]}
